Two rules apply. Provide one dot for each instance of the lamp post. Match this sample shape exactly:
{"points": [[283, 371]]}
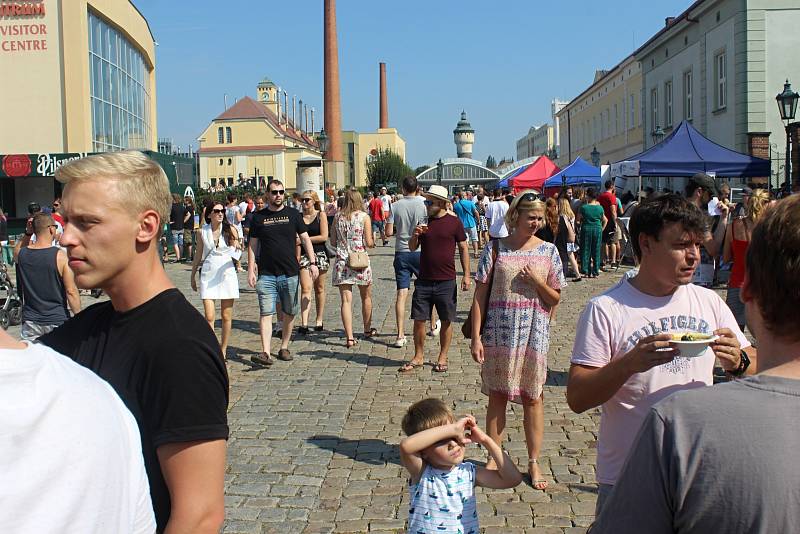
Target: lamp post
{"points": [[439, 171], [787, 105], [657, 135], [595, 157]]}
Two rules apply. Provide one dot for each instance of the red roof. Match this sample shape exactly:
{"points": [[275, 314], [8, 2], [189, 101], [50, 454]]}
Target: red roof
{"points": [[247, 108]]}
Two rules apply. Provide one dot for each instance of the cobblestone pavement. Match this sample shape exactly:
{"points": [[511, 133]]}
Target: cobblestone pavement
{"points": [[313, 445]]}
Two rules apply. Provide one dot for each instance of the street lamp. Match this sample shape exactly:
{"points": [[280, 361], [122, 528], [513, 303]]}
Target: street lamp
{"points": [[787, 105], [322, 141], [439, 171], [657, 135], [595, 157]]}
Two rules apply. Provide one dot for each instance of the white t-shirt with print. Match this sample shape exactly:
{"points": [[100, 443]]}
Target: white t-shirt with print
{"points": [[612, 324], [70, 452], [386, 202], [496, 213]]}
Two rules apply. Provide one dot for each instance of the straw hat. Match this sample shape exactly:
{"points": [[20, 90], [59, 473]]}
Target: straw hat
{"points": [[436, 192]]}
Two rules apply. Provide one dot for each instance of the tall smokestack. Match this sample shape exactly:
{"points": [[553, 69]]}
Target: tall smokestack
{"points": [[384, 105], [333, 109], [278, 100], [300, 114], [294, 114], [307, 130], [312, 121], [285, 108]]}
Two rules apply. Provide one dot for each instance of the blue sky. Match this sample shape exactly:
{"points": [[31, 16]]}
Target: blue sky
{"points": [[502, 62]]}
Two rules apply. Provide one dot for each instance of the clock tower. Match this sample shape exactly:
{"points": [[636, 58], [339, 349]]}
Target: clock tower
{"points": [[268, 94], [464, 137]]}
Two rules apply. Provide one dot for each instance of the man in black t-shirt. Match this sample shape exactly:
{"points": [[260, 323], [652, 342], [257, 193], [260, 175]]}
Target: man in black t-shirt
{"points": [[148, 342], [273, 236], [176, 214]]}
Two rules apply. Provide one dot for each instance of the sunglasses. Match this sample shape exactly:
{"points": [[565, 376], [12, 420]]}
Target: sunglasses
{"points": [[529, 197], [307, 199], [276, 192], [428, 203], [216, 210]]}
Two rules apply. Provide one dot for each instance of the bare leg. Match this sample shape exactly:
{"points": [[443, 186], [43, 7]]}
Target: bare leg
{"points": [[496, 421], [265, 326], [286, 335], [226, 311], [445, 337], [533, 422], [346, 294], [319, 297], [306, 287], [400, 311], [419, 342], [574, 263], [177, 252], [366, 306], [210, 312]]}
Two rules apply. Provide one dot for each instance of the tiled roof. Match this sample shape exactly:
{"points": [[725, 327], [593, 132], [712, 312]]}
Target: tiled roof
{"points": [[247, 108]]}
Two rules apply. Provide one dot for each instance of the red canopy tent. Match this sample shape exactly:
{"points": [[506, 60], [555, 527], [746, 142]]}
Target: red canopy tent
{"points": [[535, 175]]}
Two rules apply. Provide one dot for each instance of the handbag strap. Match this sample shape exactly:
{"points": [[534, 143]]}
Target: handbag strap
{"points": [[495, 253]]}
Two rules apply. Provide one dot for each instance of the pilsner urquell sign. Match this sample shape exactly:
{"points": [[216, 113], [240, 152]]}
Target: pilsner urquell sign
{"points": [[25, 165]]}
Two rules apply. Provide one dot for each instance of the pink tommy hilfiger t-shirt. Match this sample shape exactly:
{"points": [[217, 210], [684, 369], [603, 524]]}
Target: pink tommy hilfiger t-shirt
{"points": [[612, 324]]}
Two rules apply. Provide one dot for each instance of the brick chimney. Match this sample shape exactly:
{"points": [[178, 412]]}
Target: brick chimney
{"points": [[333, 110], [384, 99]]}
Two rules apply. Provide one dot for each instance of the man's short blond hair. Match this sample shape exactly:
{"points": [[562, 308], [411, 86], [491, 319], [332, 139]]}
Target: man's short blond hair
{"points": [[141, 183]]}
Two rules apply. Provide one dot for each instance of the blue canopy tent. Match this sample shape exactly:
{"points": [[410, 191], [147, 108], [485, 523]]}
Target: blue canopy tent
{"points": [[577, 173], [685, 152]]}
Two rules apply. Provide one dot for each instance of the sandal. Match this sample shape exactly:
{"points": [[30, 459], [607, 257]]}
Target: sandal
{"points": [[372, 332], [409, 366], [538, 483], [318, 328], [302, 330], [440, 368], [350, 343], [262, 359]]}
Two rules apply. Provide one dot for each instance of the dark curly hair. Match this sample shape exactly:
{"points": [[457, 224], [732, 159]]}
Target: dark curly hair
{"points": [[653, 214]]}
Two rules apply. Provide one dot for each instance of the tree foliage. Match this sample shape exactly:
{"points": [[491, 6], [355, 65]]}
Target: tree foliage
{"points": [[491, 163], [422, 168], [386, 168]]}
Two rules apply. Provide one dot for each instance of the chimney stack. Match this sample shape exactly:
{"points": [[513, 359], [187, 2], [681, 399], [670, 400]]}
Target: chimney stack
{"points": [[333, 110], [384, 105]]}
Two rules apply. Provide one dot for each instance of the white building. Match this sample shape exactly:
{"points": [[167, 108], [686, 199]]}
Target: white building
{"points": [[555, 106], [720, 64], [537, 142]]}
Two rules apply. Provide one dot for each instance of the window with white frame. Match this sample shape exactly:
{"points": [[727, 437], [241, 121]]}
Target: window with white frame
{"points": [[220, 136], [229, 134], [668, 104], [721, 81], [687, 95], [654, 112]]}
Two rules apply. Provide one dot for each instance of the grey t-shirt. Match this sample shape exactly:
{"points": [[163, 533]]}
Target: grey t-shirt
{"points": [[407, 213], [716, 459]]}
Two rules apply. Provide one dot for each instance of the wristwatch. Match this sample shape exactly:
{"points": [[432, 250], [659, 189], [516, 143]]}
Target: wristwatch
{"points": [[744, 363]]}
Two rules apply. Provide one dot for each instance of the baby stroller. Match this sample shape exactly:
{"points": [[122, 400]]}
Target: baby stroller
{"points": [[11, 308]]}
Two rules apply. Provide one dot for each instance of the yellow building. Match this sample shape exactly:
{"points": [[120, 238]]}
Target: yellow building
{"points": [[359, 148], [256, 139], [607, 116], [78, 77]]}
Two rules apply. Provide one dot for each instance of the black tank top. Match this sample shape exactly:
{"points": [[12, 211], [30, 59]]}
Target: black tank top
{"points": [[43, 296], [313, 231]]}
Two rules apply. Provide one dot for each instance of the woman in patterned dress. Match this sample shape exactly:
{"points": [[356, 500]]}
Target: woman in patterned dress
{"points": [[353, 233], [512, 350]]}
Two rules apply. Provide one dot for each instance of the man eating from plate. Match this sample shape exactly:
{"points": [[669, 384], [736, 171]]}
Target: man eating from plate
{"points": [[624, 358]]}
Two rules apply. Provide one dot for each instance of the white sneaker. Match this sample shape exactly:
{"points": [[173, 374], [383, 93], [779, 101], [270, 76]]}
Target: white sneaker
{"points": [[435, 331], [400, 342]]}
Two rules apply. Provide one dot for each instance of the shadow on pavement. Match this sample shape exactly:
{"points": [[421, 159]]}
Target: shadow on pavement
{"points": [[352, 355], [556, 378], [368, 451]]}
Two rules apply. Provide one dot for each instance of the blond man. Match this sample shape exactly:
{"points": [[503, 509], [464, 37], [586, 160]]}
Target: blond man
{"points": [[148, 342]]}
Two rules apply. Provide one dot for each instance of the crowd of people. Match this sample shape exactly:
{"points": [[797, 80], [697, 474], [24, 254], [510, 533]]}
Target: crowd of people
{"points": [[153, 407]]}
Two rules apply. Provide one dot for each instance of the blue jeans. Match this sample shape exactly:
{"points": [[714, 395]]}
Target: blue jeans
{"points": [[273, 289]]}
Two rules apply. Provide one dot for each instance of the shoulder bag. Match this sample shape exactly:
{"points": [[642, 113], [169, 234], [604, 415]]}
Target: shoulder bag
{"points": [[358, 261], [466, 328]]}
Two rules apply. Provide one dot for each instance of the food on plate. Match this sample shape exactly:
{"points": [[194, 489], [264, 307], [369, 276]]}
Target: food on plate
{"points": [[691, 336]]}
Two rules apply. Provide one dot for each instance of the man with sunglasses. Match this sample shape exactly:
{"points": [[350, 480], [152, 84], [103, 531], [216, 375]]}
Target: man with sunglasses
{"points": [[46, 281], [273, 236]]}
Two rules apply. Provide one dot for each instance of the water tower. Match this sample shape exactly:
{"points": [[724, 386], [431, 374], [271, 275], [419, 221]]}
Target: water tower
{"points": [[464, 137]]}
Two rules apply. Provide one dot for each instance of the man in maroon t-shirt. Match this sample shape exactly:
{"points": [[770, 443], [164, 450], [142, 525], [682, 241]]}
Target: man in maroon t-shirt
{"points": [[608, 200], [436, 283]]}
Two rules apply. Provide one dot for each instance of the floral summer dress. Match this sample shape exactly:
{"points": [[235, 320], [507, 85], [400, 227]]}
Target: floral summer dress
{"points": [[517, 333], [350, 238]]}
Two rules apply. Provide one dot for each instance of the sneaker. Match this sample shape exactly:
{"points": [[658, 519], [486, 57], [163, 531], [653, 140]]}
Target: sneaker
{"points": [[284, 355], [400, 342], [436, 329]]}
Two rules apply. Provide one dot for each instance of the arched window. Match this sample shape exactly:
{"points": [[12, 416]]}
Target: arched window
{"points": [[229, 134], [220, 135]]}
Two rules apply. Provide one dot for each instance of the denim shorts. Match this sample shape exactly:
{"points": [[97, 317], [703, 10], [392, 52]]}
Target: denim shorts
{"points": [[176, 237], [472, 234], [271, 289], [405, 264], [377, 226]]}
